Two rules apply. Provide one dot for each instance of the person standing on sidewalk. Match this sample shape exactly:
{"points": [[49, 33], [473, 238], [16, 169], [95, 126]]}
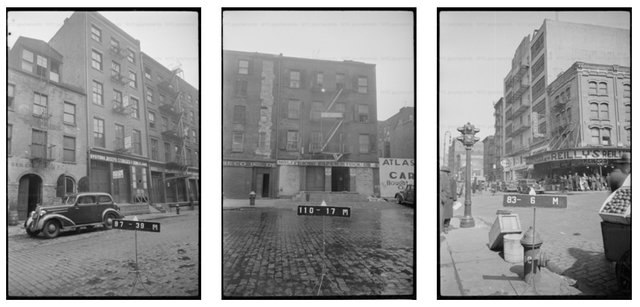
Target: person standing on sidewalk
{"points": [[446, 199], [620, 172]]}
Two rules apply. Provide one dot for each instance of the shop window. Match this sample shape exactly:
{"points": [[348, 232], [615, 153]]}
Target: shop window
{"points": [[294, 79], [96, 93], [292, 140], [40, 105], [238, 142], [243, 67], [98, 132], [96, 60], [293, 109], [69, 116], [239, 114], [69, 144], [27, 60]]}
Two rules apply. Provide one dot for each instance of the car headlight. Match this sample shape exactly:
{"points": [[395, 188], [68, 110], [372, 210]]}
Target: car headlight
{"points": [[42, 212]]}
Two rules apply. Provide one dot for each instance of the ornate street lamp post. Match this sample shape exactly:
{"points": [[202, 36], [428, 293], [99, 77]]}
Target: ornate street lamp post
{"points": [[467, 139]]}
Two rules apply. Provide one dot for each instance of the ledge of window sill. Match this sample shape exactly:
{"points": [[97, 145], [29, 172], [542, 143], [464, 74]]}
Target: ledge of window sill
{"points": [[70, 125], [72, 163]]}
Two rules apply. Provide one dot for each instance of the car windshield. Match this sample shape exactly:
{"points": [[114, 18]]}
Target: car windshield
{"points": [[69, 199]]}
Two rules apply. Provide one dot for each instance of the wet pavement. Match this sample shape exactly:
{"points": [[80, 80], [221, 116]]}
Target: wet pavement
{"points": [[274, 252]]}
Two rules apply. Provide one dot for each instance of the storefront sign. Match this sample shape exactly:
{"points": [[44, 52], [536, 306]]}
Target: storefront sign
{"points": [[118, 174], [116, 160], [577, 154], [395, 175], [326, 163], [248, 163]]}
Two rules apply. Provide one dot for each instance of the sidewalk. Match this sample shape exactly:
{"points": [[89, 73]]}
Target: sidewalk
{"points": [[469, 268], [19, 229]]}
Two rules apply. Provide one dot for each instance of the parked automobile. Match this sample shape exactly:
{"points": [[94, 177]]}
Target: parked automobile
{"points": [[77, 210], [408, 195], [510, 187], [525, 185]]}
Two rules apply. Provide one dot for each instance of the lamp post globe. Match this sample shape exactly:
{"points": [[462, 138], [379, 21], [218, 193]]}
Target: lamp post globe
{"points": [[468, 139]]}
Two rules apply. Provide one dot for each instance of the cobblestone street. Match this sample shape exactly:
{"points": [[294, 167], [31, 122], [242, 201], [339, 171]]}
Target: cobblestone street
{"points": [[101, 262], [274, 252]]}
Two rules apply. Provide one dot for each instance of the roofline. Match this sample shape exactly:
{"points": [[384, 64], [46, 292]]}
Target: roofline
{"points": [[573, 69], [296, 58], [146, 57], [66, 86]]}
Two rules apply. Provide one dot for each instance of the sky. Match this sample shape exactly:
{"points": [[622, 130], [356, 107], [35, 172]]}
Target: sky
{"points": [[476, 49], [171, 38], [383, 38]]}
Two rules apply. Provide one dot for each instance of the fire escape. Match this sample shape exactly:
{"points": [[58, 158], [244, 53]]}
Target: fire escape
{"points": [[174, 111], [329, 117]]}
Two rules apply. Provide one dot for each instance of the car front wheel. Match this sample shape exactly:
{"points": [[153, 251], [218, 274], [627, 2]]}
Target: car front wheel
{"points": [[108, 220], [399, 199], [51, 229]]}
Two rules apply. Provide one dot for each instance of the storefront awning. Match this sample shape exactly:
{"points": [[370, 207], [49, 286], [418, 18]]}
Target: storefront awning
{"points": [[578, 154]]}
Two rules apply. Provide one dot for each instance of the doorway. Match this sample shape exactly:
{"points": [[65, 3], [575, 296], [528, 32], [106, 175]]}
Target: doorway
{"points": [[121, 183], [29, 194], [339, 179], [265, 185]]}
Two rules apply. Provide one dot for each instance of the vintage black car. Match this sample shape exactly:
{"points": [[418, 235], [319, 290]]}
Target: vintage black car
{"points": [[77, 210], [408, 195], [525, 185]]}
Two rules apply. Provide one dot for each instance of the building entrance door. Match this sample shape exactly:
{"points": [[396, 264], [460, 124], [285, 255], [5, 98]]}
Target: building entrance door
{"points": [[339, 179], [29, 194], [315, 178], [265, 185], [121, 183], [157, 187]]}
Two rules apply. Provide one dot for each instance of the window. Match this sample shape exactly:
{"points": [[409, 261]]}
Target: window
{"points": [[149, 95], [363, 141], [54, 73], [193, 136], [567, 94], [292, 140], [239, 114], [626, 93], [593, 88], [627, 113], [96, 60], [606, 137], [178, 154], [115, 69], [293, 109], [165, 123], [602, 89], [339, 81], [241, 88], [40, 103], [41, 66], [362, 85], [137, 142], [595, 136], [117, 98], [115, 45], [162, 98], [134, 107], [154, 149], [39, 144], [604, 111], [538, 89], [27, 60], [316, 141], [262, 140], [96, 34], [167, 152], [152, 120], [133, 79], [97, 93], [319, 79], [294, 79], [340, 107], [119, 134], [238, 142], [594, 111], [131, 56], [243, 67], [69, 116], [316, 110], [147, 73], [11, 94], [9, 137], [98, 132], [363, 113], [69, 151]]}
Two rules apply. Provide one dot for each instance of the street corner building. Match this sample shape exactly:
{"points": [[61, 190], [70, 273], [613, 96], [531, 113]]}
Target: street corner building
{"points": [[298, 128], [567, 104], [88, 111]]}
